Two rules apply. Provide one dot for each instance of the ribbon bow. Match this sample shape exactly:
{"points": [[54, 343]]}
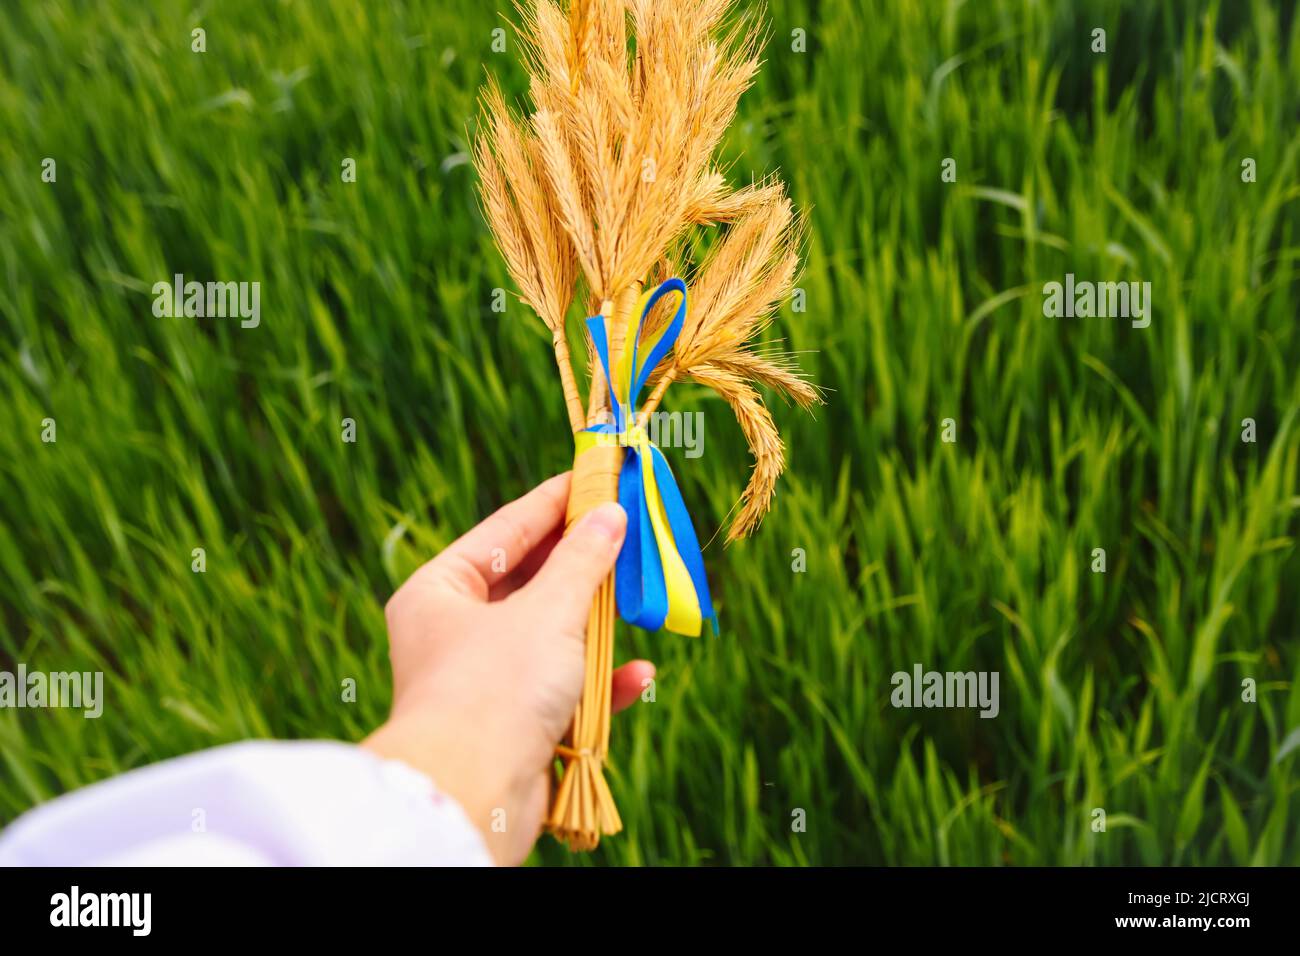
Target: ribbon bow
{"points": [[659, 577]]}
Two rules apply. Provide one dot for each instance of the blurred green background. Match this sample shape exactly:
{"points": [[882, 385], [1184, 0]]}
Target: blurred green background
{"points": [[1119, 690]]}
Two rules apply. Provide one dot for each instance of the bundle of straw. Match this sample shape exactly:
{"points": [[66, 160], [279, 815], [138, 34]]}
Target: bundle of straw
{"points": [[601, 190]]}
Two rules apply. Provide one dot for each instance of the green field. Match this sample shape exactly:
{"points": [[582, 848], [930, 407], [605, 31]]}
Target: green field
{"points": [[1120, 691]]}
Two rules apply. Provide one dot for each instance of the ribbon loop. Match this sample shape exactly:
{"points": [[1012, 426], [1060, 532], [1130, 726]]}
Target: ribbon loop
{"points": [[659, 578]]}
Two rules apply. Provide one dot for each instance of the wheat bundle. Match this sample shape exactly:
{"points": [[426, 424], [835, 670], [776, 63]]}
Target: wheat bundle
{"points": [[600, 191]]}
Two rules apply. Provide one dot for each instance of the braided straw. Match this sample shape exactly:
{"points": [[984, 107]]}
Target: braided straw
{"points": [[583, 807]]}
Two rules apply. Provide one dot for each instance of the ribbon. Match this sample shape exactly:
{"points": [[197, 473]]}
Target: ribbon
{"points": [[659, 578]]}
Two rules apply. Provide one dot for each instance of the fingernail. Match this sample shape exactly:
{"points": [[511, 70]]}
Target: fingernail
{"points": [[608, 519]]}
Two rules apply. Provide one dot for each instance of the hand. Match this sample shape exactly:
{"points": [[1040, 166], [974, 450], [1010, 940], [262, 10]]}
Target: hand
{"points": [[488, 665]]}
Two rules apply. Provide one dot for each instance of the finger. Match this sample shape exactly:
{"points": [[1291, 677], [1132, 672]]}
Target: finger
{"points": [[630, 682], [488, 552], [564, 586]]}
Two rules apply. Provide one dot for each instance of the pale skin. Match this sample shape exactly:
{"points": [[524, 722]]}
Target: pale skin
{"points": [[488, 665]]}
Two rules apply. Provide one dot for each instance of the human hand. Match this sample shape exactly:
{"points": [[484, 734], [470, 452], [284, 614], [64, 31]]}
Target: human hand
{"points": [[488, 666]]}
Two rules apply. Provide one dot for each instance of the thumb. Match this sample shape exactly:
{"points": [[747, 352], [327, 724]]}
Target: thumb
{"points": [[565, 585]]}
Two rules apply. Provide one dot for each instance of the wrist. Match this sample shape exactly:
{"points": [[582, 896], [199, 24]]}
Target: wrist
{"points": [[478, 779]]}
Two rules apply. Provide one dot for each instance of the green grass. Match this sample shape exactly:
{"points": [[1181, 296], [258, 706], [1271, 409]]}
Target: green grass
{"points": [[1119, 690]]}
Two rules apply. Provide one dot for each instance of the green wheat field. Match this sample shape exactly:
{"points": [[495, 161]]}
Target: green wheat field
{"points": [[1164, 692]]}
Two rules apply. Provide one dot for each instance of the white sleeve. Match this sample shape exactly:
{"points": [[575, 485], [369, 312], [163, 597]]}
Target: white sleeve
{"points": [[293, 803]]}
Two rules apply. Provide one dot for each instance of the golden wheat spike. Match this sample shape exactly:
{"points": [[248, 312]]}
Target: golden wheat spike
{"points": [[762, 437], [773, 369]]}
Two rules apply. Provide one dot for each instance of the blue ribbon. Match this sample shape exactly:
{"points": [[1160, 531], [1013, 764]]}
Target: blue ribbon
{"points": [[640, 588]]}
